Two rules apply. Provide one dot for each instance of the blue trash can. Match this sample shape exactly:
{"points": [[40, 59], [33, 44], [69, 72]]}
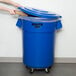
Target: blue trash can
{"points": [[38, 37]]}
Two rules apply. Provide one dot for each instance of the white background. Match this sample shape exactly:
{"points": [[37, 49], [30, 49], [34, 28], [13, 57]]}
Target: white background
{"points": [[11, 36]]}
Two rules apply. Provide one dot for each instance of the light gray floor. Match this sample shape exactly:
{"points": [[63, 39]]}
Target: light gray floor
{"points": [[18, 69]]}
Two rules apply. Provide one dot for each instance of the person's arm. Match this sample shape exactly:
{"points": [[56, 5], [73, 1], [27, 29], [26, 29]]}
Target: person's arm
{"points": [[10, 2], [12, 11]]}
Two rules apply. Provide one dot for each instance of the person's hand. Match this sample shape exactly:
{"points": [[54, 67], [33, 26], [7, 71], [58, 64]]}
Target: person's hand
{"points": [[20, 13], [12, 12]]}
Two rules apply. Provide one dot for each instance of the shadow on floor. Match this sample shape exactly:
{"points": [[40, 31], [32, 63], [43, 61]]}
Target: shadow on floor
{"points": [[18, 69]]}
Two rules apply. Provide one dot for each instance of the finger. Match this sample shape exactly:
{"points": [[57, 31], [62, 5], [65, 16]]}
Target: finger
{"points": [[20, 13], [12, 13]]}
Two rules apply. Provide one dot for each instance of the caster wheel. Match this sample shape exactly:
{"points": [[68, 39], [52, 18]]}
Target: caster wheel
{"points": [[31, 70], [47, 70]]}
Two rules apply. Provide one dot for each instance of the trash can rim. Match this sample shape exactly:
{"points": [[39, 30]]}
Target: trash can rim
{"points": [[38, 19]]}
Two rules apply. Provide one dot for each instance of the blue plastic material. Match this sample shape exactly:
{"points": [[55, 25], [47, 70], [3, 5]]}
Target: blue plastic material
{"points": [[38, 44], [38, 49], [39, 13], [39, 20], [19, 23], [38, 37], [59, 25], [39, 26]]}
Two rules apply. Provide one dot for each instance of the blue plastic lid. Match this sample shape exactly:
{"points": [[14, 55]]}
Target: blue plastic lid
{"points": [[39, 13]]}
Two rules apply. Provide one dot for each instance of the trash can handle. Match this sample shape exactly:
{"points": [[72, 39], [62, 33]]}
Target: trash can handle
{"points": [[37, 25]]}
